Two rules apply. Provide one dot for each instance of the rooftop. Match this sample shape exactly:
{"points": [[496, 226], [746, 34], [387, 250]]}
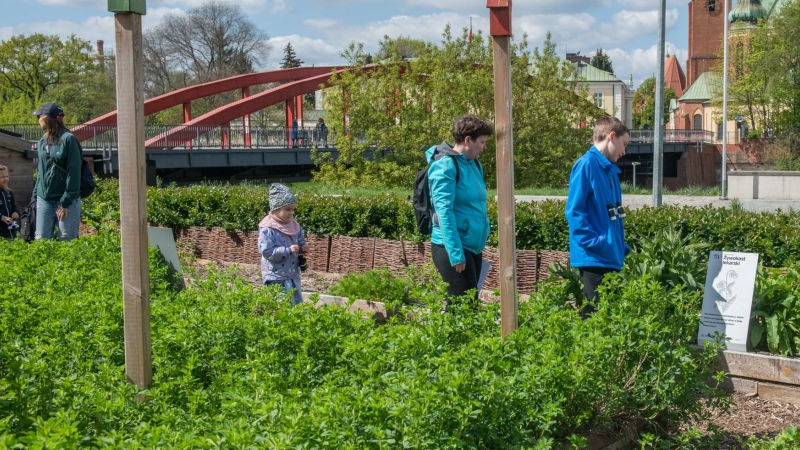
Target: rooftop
{"points": [[702, 89], [674, 76], [587, 72]]}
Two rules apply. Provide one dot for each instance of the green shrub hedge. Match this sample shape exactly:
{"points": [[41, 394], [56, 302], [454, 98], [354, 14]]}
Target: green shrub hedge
{"points": [[238, 367], [540, 225]]}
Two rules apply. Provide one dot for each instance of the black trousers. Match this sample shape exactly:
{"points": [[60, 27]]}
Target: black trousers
{"points": [[457, 283], [592, 277]]}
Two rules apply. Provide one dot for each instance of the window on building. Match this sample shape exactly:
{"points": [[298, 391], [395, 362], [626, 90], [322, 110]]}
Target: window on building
{"points": [[711, 5], [697, 123], [719, 131], [598, 99]]}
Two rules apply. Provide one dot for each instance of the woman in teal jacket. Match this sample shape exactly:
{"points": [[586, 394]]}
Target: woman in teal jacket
{"points": [[458, 195]]}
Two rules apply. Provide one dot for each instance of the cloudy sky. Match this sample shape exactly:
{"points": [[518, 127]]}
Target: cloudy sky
{"points": [[320, 29]]}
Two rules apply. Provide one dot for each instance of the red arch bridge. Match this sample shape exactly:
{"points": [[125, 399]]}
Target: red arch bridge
{"points": [[223, 143]]}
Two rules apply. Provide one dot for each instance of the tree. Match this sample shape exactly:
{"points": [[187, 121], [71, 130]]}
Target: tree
{"points": [[644, 103], [290, 59], [39, 68], [548, 111], [400, 48], [212, 41], [602, 61], [355, 55], [764, 82], [403, 107], [784, 65]]}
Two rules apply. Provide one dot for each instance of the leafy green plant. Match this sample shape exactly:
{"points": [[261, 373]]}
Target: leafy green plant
{"points": [[775, 316], [787, 439], [418, 285], [377, 284], [671, 259]]}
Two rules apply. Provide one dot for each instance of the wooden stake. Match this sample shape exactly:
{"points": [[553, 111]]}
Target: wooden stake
{"points": [[132, 197], [504, 141]]}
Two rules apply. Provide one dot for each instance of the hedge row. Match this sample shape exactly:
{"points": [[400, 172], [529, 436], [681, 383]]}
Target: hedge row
{"points": [[541, 225]]}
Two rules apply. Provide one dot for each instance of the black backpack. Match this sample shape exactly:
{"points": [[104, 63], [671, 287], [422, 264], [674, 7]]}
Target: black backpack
{"points": [[423, 207], [87, 179], [27, 221]]}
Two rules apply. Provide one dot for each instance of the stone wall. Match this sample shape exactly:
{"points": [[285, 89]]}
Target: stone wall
{"points": [[767, 185]]}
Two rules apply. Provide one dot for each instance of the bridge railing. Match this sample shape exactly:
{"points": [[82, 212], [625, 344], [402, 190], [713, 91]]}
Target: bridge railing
{"points": [[646, 136], [202, 136], [240, 137]]}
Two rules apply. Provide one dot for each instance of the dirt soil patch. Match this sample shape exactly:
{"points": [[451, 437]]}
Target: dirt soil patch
{"points": [[749, 416]]}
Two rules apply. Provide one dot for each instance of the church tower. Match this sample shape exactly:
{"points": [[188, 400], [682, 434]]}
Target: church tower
{"points": [[706, 22]]}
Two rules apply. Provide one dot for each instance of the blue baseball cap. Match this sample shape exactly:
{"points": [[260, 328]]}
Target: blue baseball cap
{"points": [[49, 109]]}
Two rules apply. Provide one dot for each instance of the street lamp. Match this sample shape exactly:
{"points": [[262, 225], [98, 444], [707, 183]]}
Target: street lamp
{"points": [[723, 192], [658, 123]]}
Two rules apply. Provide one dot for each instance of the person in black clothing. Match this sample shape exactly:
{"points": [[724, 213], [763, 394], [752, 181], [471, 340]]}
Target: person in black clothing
{"points": [[321, 132], [9, 215]]}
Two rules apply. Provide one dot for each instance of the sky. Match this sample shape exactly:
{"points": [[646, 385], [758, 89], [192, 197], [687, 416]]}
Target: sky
{"points": [[320, 29]]}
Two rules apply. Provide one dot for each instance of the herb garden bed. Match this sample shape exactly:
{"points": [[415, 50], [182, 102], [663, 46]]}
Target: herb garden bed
{"points": [[770, 376], [235, 365]]}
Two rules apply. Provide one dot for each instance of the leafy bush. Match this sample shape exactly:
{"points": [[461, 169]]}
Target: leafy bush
{"points": [[775, 317], [376, 285], [785, 440], [671, 259], [667, 259], [418, 285], [235, 366]]}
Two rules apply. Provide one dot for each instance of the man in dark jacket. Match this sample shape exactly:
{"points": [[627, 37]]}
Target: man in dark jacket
{"points": [[594, 208]]}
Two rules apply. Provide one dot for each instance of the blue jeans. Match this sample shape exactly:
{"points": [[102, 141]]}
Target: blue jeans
{"points": [[46, 220], [288, 285]]}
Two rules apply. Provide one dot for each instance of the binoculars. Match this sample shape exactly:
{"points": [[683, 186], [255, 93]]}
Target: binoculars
{"points": [[615, 210]]}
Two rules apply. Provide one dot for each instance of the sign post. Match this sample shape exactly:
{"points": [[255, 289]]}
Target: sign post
{"points": [[728, 297], [500, 29], [132, 194]]}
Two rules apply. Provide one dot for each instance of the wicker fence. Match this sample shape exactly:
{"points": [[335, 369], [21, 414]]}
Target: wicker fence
{"points": [[343, 254]]}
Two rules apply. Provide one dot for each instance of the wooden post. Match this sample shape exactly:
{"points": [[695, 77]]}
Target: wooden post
{"points": [[500, 29], [132, 196]]}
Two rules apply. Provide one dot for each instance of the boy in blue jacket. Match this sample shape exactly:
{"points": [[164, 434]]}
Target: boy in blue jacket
{"points": [[594, 208]]}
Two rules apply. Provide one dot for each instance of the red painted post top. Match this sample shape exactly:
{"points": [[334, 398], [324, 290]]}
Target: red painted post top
{"points": [[499, 17]]}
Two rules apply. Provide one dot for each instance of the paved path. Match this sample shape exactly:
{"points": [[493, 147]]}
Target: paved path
{"points": [[637, 201]]}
